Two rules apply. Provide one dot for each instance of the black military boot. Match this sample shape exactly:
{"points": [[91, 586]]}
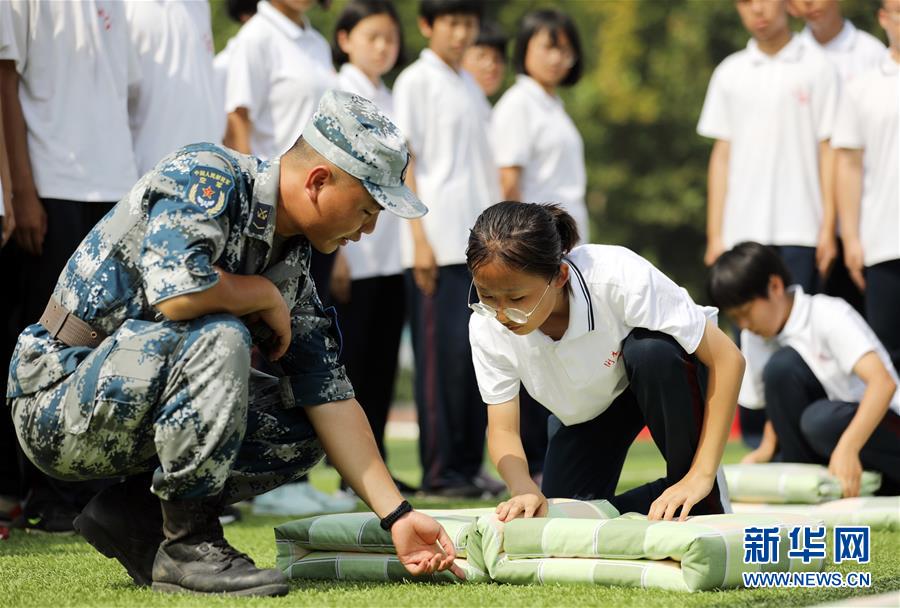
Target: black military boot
{"points": [[195, 556], [124, 521]]}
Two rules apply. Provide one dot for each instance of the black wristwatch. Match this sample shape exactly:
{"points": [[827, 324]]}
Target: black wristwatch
{"points": [[391, 518]]}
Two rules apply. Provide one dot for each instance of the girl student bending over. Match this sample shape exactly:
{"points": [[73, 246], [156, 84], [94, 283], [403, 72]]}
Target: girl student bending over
{"points": [[608, 344]]}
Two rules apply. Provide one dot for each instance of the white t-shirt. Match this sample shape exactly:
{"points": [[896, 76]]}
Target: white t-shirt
{"points": [[376, 254], [441, 113], [830, 336], [869, 119], [852, 51], [612, 291], [278, 71], [221, 62], [774, 111], [176, 102], [75, 63], [531, 130]]}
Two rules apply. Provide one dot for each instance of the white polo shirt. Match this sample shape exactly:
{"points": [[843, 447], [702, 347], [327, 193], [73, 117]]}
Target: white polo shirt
{"points": [[376, 254], [852, 51], [441, 113], [530, 129], [278, 71], [774, 111], [612, 291], [176, 103], [75, 63], [221, 63], [869, 119], [830, 336]]}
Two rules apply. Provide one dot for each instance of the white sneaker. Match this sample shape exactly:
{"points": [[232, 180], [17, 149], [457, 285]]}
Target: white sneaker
{"points": [[289, 499], [339, 502]]}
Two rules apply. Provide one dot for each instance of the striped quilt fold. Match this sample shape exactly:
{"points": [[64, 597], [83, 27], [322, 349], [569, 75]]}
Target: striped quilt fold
{"points": [[579, 542], [786, 483], [877, 512]]}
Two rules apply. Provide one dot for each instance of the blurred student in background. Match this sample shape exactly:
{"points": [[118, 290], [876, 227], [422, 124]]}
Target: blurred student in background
{"points": [[536, 145], [440, 109], [176, 102], [279, 68], [868, 186], [852, 52], [367, 281], [770, 109], [239, 11], [486, 59]]}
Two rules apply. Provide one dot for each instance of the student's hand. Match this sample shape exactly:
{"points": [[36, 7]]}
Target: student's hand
{"points": [[845, 465], [714, 248], [423, 546], [425, 268], [278, 317], [757, 456], [826, 253], [9, 225], [685, 494], [523, 505], [340, 279], [31, 223], [853, 259]]}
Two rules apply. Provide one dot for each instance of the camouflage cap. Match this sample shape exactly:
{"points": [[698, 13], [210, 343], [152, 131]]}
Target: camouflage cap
{"points": [[352, 133]]}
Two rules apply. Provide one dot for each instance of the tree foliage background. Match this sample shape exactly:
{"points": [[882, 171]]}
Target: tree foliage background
{"points": [[647, 65]]}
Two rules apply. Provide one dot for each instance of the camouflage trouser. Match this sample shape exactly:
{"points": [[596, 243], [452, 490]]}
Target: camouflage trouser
{"points": [[170, 396]]}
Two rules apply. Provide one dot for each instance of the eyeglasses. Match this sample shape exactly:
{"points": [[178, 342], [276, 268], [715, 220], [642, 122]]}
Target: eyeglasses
{"points": [[519, 317]]}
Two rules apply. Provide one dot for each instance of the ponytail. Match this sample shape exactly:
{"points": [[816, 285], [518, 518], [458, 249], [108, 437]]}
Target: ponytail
{"points": [[565, 227], [528, 237]]}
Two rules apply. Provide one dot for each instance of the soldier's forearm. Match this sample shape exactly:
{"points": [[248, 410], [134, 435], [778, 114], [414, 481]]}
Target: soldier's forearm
{"points": [[345, 434], [235, 294]]}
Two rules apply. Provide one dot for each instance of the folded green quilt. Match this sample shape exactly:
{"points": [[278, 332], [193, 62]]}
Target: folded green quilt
{"points": [[877, 512], [580, 542], [784, 482]]}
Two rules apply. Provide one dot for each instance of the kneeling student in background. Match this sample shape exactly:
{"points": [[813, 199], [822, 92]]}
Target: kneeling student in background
{"points": [[828, 387]]}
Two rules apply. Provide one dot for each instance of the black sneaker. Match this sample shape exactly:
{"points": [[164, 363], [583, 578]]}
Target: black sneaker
{"points": [[230, 514], [56, 519], [406, 490]]}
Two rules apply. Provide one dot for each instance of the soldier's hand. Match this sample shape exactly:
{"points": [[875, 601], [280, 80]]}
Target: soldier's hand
{"points": [[423, 546], [278, 317], [31, 223]]}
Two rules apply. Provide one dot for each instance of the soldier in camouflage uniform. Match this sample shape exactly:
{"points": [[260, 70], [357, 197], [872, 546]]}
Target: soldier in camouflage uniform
{"points": [[205, 261]]}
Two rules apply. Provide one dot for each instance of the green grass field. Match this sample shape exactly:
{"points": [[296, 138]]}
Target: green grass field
{"points": [[44, 571]]}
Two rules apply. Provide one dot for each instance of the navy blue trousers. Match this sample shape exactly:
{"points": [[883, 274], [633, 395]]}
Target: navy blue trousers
{"points": [[452, 417], [882, 304], [666, 392], [371, 326], [809, 426]]}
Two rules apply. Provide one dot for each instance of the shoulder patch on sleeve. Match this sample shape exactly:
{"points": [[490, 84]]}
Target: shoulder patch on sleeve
{"points": [[208, 188]]}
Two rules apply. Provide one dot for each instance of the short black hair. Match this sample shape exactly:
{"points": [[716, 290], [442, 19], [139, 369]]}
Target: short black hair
{"points": [[430, 10], [742, 274], [490, 34], [239, 8], [553, 21], [356, 11], [528, 237]]}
